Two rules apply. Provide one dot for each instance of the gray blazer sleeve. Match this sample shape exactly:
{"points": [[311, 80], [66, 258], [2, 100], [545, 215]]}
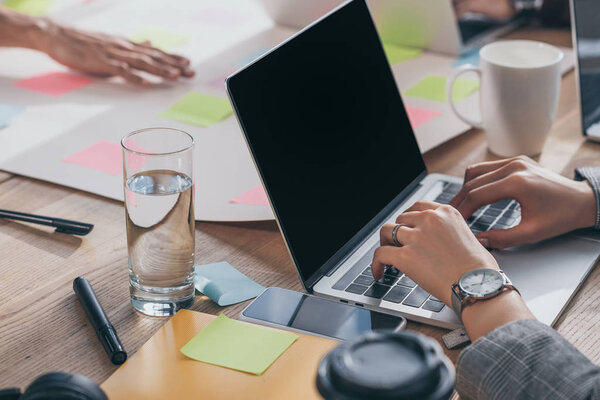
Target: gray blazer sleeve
{"points": [[525, 360]]}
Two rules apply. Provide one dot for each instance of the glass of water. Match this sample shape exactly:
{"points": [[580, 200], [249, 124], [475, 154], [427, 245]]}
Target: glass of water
{"points": [[159, 212]]}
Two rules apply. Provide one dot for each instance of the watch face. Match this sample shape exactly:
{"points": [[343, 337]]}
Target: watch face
{"points": [[481, 282]]}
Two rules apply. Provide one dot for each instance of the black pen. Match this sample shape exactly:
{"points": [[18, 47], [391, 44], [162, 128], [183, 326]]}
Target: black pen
{"points": [[61, 225], [104, 329]]}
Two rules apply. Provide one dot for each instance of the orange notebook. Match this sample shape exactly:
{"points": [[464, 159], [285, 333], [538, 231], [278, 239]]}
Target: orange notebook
{"points": [[159, 371]]}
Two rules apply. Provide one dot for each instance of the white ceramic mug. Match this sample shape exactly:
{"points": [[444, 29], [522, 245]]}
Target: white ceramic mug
{"points": [[520, 87]]}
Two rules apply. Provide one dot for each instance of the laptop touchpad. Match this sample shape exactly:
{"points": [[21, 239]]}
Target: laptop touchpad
{"points": [[548, 272]]}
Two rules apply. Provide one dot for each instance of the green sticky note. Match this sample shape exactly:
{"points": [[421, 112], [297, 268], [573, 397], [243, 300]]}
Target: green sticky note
{"points": [[160, 39], [35, 8], [199, 109], [397, 54], [434, 88], [238, 346]]}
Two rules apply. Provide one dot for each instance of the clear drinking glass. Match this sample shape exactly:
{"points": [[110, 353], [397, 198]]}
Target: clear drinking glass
{"points": [[159, 212]]}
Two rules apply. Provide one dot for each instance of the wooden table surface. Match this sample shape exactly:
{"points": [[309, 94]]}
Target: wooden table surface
{"points": [[42, 328]]}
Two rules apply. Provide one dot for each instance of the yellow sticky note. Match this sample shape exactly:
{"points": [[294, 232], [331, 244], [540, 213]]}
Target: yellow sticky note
{"points": [[397, 54], [434, 88], [35, 8], [160, 39], [238, 346], [199, 109]]}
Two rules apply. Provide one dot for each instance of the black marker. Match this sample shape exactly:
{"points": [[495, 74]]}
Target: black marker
{"points": [[104, 329], [61, 225]]}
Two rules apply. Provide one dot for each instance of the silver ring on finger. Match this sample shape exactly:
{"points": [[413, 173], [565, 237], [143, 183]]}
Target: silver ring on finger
{"points": [[395, 233]]}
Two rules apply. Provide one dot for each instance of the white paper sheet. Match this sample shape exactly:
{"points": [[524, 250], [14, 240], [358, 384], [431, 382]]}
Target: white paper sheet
{"points": [[51, 129], [223, 166], [40, 124]]}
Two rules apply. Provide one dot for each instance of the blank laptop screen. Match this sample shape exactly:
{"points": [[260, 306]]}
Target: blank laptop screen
{"points": [[326, 125]]}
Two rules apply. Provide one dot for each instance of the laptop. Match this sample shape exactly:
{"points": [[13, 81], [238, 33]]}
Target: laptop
{"points": [[585, 15], [333, 145], [427, 24]]}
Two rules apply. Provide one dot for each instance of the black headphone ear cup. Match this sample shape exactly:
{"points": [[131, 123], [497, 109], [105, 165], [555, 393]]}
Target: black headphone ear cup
{"points": [[10, 394], [63, 386]]}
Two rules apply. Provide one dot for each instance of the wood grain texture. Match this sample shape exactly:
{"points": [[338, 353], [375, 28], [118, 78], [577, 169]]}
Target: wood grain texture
{"points": [[4, 176], [42, 328]]}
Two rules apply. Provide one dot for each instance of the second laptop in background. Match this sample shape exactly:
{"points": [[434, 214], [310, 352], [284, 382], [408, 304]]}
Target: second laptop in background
{"points": [[424, 24]]}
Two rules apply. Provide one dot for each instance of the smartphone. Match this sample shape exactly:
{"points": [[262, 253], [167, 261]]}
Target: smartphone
{"points": [[304, 313]]}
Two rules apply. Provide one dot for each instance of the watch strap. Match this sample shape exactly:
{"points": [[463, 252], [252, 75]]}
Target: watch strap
{"points": [[457, 300]]}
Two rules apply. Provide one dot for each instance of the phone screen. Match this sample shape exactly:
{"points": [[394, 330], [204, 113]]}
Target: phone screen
{"points": [[317, 315]]}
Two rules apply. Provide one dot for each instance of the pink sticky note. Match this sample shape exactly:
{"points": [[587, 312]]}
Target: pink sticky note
{"points": [[102, 156], [221, 16], [418, 116], [255, 196], [106, 157], [54, 83], [219, 83]]}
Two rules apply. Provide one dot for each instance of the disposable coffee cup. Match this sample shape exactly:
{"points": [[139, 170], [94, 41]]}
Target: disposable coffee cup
{"points": [[386, 365]]}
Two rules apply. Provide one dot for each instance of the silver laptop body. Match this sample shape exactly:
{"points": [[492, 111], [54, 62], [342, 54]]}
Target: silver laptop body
{"points": [[547, 274]]}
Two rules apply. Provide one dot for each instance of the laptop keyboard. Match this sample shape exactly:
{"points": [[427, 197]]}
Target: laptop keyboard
{"points": [[500, 215], [398, 288], [394, 287]]}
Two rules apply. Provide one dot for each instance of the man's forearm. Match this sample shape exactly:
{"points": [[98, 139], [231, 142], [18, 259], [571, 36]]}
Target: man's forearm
{"points": [[18, 30]]}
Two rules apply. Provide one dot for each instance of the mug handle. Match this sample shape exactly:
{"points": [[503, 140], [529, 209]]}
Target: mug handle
{"points": [[459, 71]]}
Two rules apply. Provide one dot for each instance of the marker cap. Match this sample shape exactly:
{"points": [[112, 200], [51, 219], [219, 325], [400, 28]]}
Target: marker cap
{"points": [[112, 345]]}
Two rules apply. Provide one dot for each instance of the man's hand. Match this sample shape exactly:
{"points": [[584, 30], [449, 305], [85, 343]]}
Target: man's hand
{"points": [[106, 55], [550, 203], [438, 248], [495, 9]]}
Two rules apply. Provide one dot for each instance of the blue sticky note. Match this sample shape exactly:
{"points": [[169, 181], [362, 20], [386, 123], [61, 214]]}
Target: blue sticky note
{"points": [[471, 57], [7, 113], [251, 57], [224, 284]]}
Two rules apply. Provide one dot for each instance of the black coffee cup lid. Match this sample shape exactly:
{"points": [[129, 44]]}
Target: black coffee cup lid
{"points": [[386, 365]]}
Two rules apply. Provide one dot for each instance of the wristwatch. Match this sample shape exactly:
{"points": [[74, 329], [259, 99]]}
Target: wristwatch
{"points": [[479, 284]]}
